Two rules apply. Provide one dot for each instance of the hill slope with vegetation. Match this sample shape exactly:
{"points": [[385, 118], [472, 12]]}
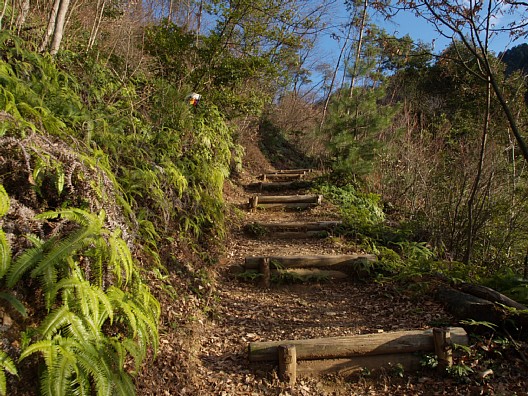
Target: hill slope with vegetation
{"points": [[112, 185]]}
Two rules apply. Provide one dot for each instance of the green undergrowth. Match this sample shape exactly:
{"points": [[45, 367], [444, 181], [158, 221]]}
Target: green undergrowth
{"points": [[169, 160], [105, 177], [401, 255]]}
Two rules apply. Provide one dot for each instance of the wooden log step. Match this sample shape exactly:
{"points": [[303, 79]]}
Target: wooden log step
{"points": [[290, 171], [298, 234], [312, 274], [291, 230], [309, 261], [292, 205], [399, 342], [288, 201], [279, 186], [308, 198], [281, 176], [299, 226]]}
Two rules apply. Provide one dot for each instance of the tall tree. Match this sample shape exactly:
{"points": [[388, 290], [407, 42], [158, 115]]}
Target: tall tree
{"points": [[475, 23], [55, 29]]}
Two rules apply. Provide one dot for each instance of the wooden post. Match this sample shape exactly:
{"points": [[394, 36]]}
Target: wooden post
{"points": [[265, 272], [287, 363], [443, 347], [253, 202]]}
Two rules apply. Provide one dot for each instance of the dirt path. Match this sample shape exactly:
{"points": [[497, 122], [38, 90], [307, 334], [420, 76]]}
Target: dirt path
{"points": [[205, 330], [246, 312]]}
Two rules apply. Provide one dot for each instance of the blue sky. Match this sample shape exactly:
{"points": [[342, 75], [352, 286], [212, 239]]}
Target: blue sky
{"points": [[404, 23], [418, 28]]}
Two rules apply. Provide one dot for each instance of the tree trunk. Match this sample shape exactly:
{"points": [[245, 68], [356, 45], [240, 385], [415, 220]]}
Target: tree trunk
{"points": [[101, 4], [52, 21], [471, 229], [199, 23], [59, 26], [21, 18], [334, 75], [2, 14], [491, 295], [358, 47], [466, 306]]}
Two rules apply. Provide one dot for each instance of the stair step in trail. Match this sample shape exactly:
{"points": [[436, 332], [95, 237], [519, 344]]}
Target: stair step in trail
{"points": [[279, 186], [292, 230], [311, 261], [333, 355], [290, 283], [285, 201]]}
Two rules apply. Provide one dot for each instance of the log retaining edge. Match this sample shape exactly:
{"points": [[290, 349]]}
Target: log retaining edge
{"points": [[358, 345]]}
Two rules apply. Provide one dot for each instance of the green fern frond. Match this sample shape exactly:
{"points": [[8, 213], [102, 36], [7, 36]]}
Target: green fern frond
{"points": [[48, 278], [3, 383], [65, 248], [118, 298], [5, 254], [80, 385], [7, 364], [4, 201], [45, 347], [24, 263], [96, 366], [54, 321], [76, 328], [142, 314], [63, 370], [46, 384], [134, 350], [123, 385], [15, 303], [120, 259], [79, 216]]}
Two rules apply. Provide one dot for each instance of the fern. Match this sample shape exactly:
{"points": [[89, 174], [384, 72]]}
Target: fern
{"points": [[15, 303], [4, 201], [120, 260], [5, 249], [76, 351], [6, 364], [5, 254], [25, 261]]}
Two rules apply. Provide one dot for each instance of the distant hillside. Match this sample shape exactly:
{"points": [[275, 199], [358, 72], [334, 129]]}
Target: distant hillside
{"points": [[516, 58]]}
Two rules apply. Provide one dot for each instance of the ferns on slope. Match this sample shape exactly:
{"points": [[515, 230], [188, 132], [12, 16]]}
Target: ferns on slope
{"points": [[6, 363], [90, 329]]}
